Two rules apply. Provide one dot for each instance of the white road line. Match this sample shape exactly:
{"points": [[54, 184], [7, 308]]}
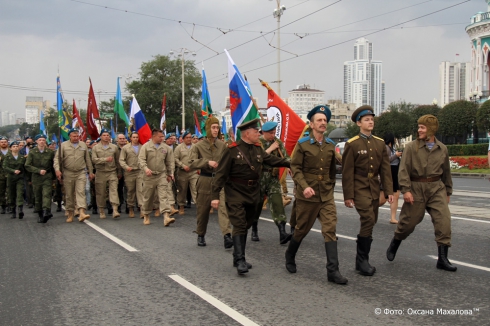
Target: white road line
{"points": [[110, 236], [486, 269], [213, 301], [315, 230]]}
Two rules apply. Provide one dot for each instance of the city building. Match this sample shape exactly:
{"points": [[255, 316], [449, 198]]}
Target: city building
{"points": [[454, 81], [363, 78], [479, 33], [12, 118], [303, 97], [20, 121], [4, 117], [34, 105]]}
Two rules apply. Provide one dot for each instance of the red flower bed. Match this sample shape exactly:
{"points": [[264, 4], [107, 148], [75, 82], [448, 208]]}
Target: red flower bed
{"points": [[472, 162]]}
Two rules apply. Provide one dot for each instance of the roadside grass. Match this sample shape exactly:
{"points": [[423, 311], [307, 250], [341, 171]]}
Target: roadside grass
{"points": [[475, 171]]}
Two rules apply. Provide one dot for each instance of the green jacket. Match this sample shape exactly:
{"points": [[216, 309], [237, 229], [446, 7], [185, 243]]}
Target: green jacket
{"points": [[37, 161], [10, 164]]}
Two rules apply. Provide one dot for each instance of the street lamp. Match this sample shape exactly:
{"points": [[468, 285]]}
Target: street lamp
{"points": [[181, 54], [277, 13], [434, 102], [475, 96]]}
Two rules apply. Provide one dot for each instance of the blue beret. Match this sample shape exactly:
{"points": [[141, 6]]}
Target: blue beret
{"points": [[170, 134], [194, 136], [320, 109], [27, 137], [40, 136], [105, 131], [92, 142], [15, 142], [201, 136], [73, 130], [187, 132], [3, 138], [269, 125], [98, 140]]}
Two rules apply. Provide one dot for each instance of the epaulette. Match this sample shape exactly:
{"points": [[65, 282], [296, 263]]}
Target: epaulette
{"points": [[353, 138], [302, 140], [378, 138], [328, 140], [234, 144]]}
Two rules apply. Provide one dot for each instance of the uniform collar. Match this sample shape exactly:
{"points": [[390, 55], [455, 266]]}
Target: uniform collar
{"points": [[365, 136]]}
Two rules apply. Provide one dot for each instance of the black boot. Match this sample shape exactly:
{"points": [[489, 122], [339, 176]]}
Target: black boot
{"points": [[362, 257], [291, 254], [14, 213], [58, 209], [255, 232], [283, 236], [291, 229], [200, 241], [443, 262], [239, 254], [3, 209], [21, 213], [228, 241], [40, 217], [333, 272], [127, 208], [109, 208], [47, 215], [95, 210], [392, 249]]}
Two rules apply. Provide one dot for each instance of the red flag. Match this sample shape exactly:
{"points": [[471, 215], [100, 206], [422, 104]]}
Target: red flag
{"points": [[92, 114], [197, 122], [77, 122], [163, 120]]}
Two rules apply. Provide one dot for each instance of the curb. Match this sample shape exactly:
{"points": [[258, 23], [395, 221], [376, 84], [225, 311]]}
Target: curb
{"points": [[470, 175]]}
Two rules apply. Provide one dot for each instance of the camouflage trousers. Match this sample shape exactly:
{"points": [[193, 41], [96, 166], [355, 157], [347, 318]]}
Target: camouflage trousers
{"points": [[271, 187], [3, 190], [42, 186], [15, 187]]}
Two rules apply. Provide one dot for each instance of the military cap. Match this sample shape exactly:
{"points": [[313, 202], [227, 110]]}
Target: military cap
{"points": [[3, 138], [27, 137], [40, 136], [430, 122], [320, 109], [269, 125], [252, 124], [104, 131], [73, 130], [12, 143], [187, 132], [362, 111], [170, 134]]}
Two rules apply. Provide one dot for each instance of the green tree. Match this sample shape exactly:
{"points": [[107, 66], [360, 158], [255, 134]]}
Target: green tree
{"points": [[483, 116], [456, 120], [27, 129], [351, 129], [394, 122], [164, 75]]}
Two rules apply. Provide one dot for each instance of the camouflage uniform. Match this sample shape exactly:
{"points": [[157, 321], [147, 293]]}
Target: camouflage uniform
{"points": [[3, 183], [15, 182], [41, 184]]}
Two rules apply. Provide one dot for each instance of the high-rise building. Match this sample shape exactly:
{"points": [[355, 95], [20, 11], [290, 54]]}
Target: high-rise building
{"points": [[4, 118], [454, 81], [34, 105], [12, 118], [363, 78], [303, 97]]}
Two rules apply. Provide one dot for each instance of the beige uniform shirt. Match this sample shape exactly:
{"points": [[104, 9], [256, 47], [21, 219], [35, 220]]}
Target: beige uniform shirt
{"points": [[182, 155], [129, 158], [100, 155], [74, 158], [158, 159]]}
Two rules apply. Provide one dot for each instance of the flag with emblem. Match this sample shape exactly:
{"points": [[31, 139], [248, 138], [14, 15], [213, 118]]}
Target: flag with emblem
{"points": [[64, 118], [119, 107], [138, 122]]}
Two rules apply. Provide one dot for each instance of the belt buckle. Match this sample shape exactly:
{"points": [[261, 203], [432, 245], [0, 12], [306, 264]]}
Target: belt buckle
{"points": [[320, 177], [370, 175], [250, 183], [213, 174]]}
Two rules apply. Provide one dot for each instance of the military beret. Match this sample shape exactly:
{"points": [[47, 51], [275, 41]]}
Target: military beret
{"points": [[170, 134], [27, 137], [269, 125], [201, 136], [104, 131], [252, 124], [187, 132], [98, 140], [73, 130], [194, 136], [362, 111], [92, 142], [12, 143], [40, 136], [3, 138], [320, 109]]}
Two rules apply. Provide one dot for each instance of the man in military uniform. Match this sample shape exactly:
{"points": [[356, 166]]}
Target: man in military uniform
{"points": [[27, 180], [121, 142], [105, 158], [133, 176], [313, 168], [40, 164], [13, 165], [269, 183], [365, 158], [93, 199], [239, 172], [71, 162], [4, 149], [205, 156], [186, 178], [170, 140], [426, 184], [57, 187], [156, 159]]}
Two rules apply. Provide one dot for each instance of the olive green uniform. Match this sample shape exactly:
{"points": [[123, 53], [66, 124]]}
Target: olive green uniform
{"points": [[15, 182], [241, 182], [426, 174], [3, 180], [201, 153], [185, 179], [365, 158], [41, 184], [133, 179], [107, 173]]}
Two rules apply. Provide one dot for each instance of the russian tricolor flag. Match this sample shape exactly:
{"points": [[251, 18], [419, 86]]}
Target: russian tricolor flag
{"points": [[138, 122]]}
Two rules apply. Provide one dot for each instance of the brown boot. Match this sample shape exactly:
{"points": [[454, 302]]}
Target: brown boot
{"points": [[173, 210], [70, 217], [101, 212], [286, 200], [157, 212], [77, 212], [167, 220], [141, 214], [83, 215], [115, 212], [131, 212], [146, 220], [181, 210]]}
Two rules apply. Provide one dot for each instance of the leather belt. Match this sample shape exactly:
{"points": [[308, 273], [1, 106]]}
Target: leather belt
{"points": [[319, 177], [249, 183], [369, 175], [431, 179], [206, 174]]}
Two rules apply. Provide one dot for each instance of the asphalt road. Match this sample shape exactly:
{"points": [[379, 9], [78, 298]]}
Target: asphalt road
{"points": [[71, 274]]}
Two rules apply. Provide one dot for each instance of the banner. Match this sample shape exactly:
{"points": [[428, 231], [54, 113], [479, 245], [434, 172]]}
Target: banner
{"points": [[92, 113]]}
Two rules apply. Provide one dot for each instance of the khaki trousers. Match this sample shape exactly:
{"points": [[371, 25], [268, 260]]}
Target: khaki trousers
{"points": [[74, 183], [203, 207], [155, 186], [170, 193], [306, 214], [186, 180], [134, 185], [101, 180]]}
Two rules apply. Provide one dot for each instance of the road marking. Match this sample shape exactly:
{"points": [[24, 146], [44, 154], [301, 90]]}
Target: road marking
{"points": [[314, 230], [110, 236], [213, 301], [486, 269]]}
